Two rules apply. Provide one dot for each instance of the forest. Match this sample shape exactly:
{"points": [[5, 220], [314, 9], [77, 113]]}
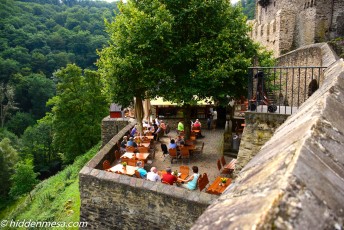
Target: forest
{"points": [[52, 97], [48, 53]]}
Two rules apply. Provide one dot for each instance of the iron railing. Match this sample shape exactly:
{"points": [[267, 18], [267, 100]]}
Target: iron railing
{"points": [[282, 89]]}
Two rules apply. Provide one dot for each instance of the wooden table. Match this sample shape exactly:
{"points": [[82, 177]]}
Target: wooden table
{"points": [[148, 137], [217, 188], [144, 144], [140, 156], [128, 170]]}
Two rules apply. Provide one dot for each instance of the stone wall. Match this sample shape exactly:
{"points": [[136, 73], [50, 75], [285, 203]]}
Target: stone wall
{"points": [[259, 129], [285, 25], [296, 179], [114, 201], [112, 126]]}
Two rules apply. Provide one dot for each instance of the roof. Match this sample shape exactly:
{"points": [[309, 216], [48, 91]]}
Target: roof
{"points": [[161, 101]]}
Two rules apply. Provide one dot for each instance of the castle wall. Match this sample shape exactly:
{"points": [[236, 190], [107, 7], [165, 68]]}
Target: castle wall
{"points": [[297, 23]]}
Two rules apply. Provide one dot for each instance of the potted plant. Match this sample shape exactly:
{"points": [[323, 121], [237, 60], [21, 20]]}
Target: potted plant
{"points": [[175, 173], [223, 180], [124, 164]]}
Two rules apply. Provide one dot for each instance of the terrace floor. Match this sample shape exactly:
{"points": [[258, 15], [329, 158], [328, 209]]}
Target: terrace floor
{"points": [[206, 162]]}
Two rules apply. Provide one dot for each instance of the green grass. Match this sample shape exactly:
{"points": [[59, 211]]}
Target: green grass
{"points": [[54, 199]]}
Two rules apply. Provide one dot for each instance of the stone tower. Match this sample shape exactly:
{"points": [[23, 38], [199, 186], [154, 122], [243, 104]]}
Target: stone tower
{"points": [[284, 25]]}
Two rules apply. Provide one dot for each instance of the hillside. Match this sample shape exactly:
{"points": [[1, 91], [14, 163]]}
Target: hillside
{"points": [[54, 199]]}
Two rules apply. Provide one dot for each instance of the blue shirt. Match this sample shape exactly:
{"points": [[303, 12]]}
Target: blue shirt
{"points": [[172, 146], [193, 184], [143, 172]]}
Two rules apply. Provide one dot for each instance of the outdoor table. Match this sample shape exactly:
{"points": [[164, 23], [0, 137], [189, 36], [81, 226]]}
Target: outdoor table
{"points": [[217, 188], [140, 156], [128, 170], [144, 144]]}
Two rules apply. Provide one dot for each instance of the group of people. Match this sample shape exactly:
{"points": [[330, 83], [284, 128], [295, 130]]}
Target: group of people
{"points": [[168, 177]]}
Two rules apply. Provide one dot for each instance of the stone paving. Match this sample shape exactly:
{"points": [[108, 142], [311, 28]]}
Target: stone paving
{"points": [[206, 162]]}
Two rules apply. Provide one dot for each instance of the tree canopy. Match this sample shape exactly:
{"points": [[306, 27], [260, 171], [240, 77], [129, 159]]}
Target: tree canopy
{"points": [[78, 108], [182, 50]]}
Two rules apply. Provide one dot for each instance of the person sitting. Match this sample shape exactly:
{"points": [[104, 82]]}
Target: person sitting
{"points": [[141, 170], [153, 175], [124, 143], [197, 125], [180, 128], [158, 133], [131, 142], [180, 141], [163, 125], [172, 144], [168, 177], [133, 131], [192, 181]]}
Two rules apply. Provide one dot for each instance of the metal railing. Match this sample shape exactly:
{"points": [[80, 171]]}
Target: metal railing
{"points": [[282, 89]]}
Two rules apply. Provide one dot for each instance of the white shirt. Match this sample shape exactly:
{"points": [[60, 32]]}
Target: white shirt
{"points": [[153, 176], [215, 115]]}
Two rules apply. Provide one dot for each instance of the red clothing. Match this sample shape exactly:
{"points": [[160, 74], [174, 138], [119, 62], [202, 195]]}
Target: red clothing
{"points": [[169, 178], [197, 125]]}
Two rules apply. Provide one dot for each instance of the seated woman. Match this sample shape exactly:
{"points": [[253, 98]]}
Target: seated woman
{"points": [[192, 181]]}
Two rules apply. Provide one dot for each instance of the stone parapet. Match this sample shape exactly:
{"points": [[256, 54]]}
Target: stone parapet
{"points": [[114, 201], [296, 179], [112, 126]]}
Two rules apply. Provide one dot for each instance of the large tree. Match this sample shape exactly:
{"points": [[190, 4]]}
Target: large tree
{"points": [[139, 42], [198, 49], [78, 109]]}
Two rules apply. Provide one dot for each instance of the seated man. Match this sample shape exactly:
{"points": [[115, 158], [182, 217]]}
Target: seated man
{"points": [[131, 142], [153, 175], [124, 143], [141, 170], [168, 177]]}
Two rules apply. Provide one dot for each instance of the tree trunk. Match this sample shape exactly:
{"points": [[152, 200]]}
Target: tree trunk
{"points": [[187, 121], [139, 113]]}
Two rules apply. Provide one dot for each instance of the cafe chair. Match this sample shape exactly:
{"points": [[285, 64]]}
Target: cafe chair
{"points": [[137, 174], [224, 170], [106, 165], [143, 149], [184, 170], [185, 154], [164, 150], [125, 159], [130, 149], [118, 172], [117, 155], [202, 181], [173, 154], [132, 161]]}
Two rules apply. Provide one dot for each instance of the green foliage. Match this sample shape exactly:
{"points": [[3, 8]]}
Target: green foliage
{"points": [[32, 92], [78, 109], [7, 103], [8, 158], [4, 133], [19, 122], [54, 199], [40, 36], [249, 7], [24, 178], [37, 142]]}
